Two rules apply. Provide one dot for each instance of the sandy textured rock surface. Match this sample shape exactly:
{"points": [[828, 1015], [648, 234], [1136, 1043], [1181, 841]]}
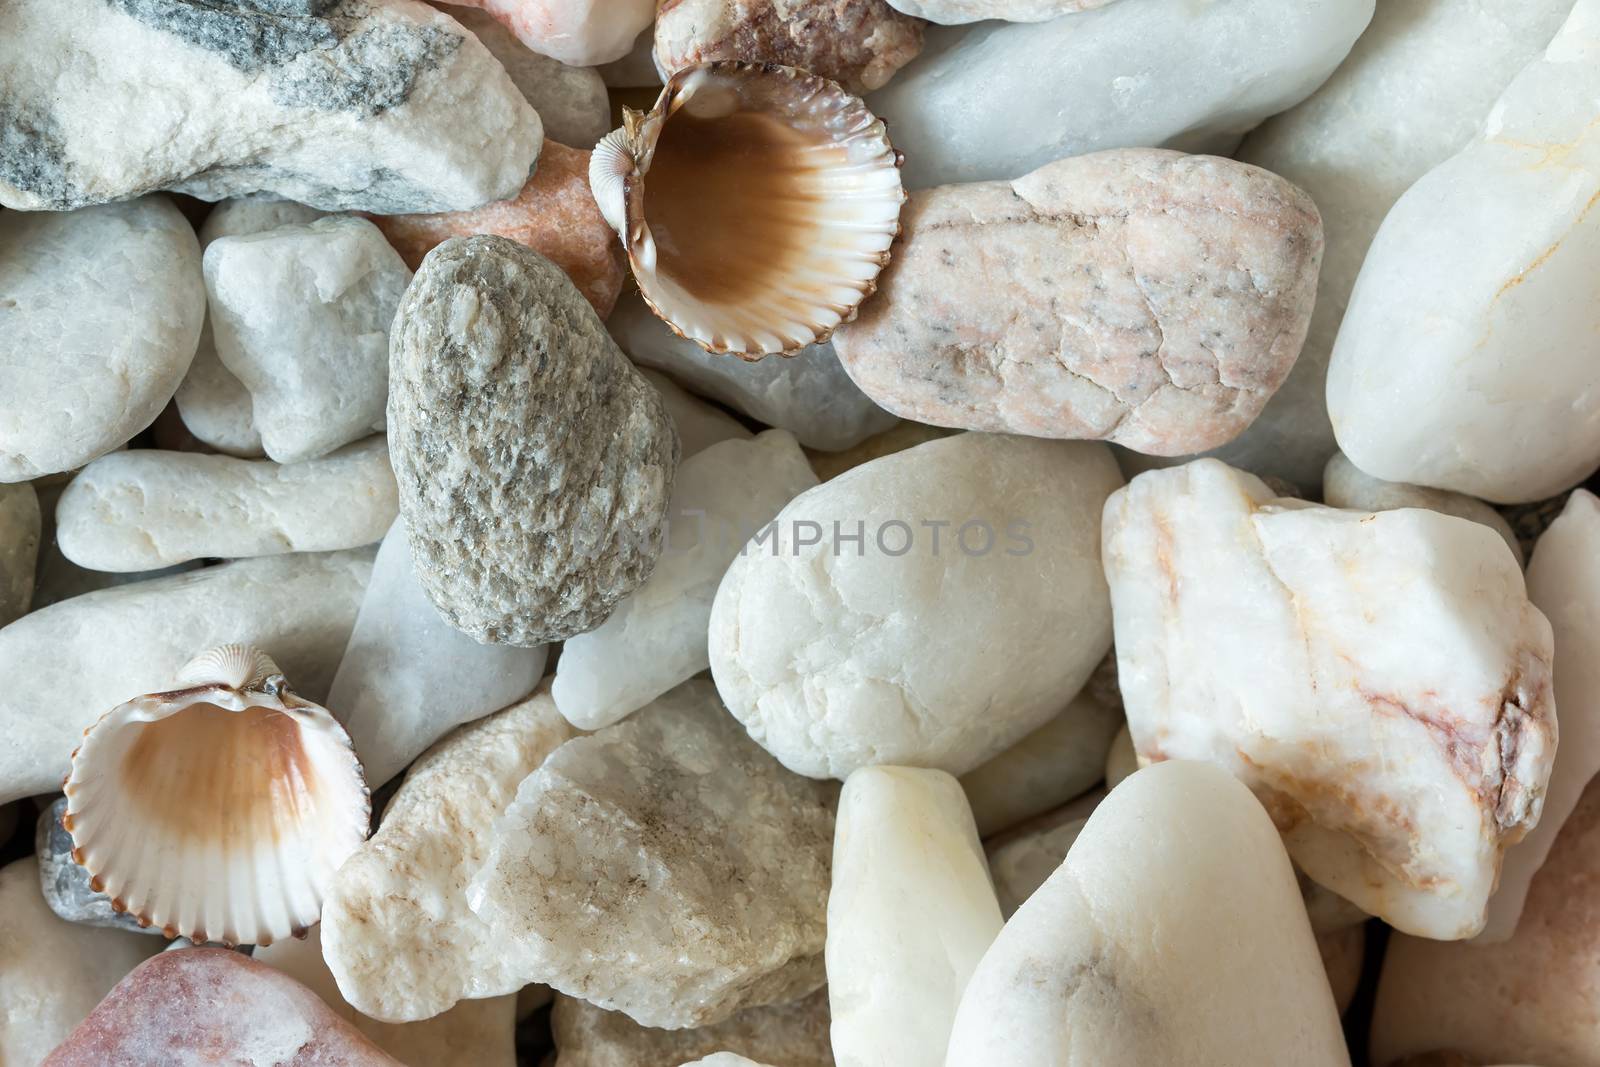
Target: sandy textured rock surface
{"points": [[1047, 768], [1138, 296], [665, 867], [836, 658], [1380, 680], [1025, 857], [69, 664], [793, 1034], [1076, 979], [1344, 485], [700, 424], [956, 12], [100, 316], [584, 33], [19, 548], [378, 107], [534, 466]]}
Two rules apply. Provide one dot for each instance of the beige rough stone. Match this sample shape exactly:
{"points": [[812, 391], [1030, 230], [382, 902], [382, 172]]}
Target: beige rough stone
{"points": [[19, 548], [793, 1034], [1139, 296]]}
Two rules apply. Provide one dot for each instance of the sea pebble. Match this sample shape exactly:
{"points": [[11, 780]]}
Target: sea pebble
{"points": [[534, 465], [839, 653], [300, 315], [857, 43], [1001, 99], [656, 636], [1023, 859], [637, 69], [19, 548], [897, 438], [64, 882], [584, 33], [144, 509], [808, 394], [792, 1034], [100, 317], [379, 106], [1076, 978], [1482, 274], [58, 578], [957, 12], [665, 867], [396, 930], [1122, 760], [700, 424], [1344, 485], [1380, 680], [555, 215], [407, 678], [1138, 296], [70, 663], [52, 972], [910, 913], [213, 1006], [1414, 89]]}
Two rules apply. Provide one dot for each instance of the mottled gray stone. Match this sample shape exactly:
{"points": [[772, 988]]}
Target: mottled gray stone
{"points": [[534, 464], [65, 884], [19, 548]]}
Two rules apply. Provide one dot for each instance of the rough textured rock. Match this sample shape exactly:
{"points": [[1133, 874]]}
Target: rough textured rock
{"points": [[396, 929], [665, 867], [898, 438], [809, 394], [1138, 296], [956, 12], [65, 884], [100, 316], [793, 1034], [1023, 859], [70, 663], [1344, 485], [213, 1006], [857, 43], [1001, 99], [19, 548], [1077, 980], [534, 467], [1380, 680], [379, 107], [910, 913], [300, 315], [1483, 275], [555, 215], [700, 425], [584, 33], [836, 656], [145, 509], [656, 636]]}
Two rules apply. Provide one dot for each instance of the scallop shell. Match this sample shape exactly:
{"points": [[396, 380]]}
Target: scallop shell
{"points": [[773, 198], [220, 810]]}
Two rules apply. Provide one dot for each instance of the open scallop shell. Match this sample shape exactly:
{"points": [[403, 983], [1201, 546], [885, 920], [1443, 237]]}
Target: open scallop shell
{"points": [[772, 199], [218, 811]]}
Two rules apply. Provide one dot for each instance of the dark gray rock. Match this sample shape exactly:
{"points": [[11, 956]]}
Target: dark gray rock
{"points": [[66, 884]]}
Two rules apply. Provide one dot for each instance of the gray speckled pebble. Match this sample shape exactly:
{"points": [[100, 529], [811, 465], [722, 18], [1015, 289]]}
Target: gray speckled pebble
{"points": [[534, 463], [65, 884]]}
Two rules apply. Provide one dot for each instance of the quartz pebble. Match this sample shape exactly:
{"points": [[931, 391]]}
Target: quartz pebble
{"points": [[407, 678], [808, 394], [584, 33], [555, 215], [19, 548], [910, 913], [857, 43], [1024, 859], [957, 12], [1076, 979], [145, 509], [1002, 99], [700, 425], [70, 663], [1138, 296], [100, 318], [385, 106], [58, 578], [65, 884], [534, 466], [1482, 274], [792, 1034], [300, 315], [396, 929], [655, 638], [665, 867], [1344, 485], [1381, 681], [839, 657]]}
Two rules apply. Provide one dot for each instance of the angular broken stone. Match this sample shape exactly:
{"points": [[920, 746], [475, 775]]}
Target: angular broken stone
{"points": [[665, 867], [1380, 680], [1023, 859], [1344, 485], [700, 425], [1077, 980], [65, 884], [584, 33], [956, 12], [834, 643], [656, 637], [1139, 296], [793, 1034], [19, 548], [910, 912], [534, 465], [386, 106]]}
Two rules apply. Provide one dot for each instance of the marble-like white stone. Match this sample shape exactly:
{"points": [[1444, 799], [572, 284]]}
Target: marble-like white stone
{"points": [[70, 663], [1483, 276], [1173, 933], [1344, 485], [959, 12], [300, 315], [58, 578], [700, 424], [408, 677], [910, 913], [656, 637], [584, 33], [1000, 99], [19, 548], [1380, 680], [967, 614]]}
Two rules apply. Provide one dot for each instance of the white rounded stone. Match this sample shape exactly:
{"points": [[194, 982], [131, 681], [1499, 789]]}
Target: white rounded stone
{"points": [[1344, 485]]}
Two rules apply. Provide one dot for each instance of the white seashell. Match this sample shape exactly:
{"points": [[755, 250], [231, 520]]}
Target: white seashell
{"points": [[774, 197], [218, 811]]}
